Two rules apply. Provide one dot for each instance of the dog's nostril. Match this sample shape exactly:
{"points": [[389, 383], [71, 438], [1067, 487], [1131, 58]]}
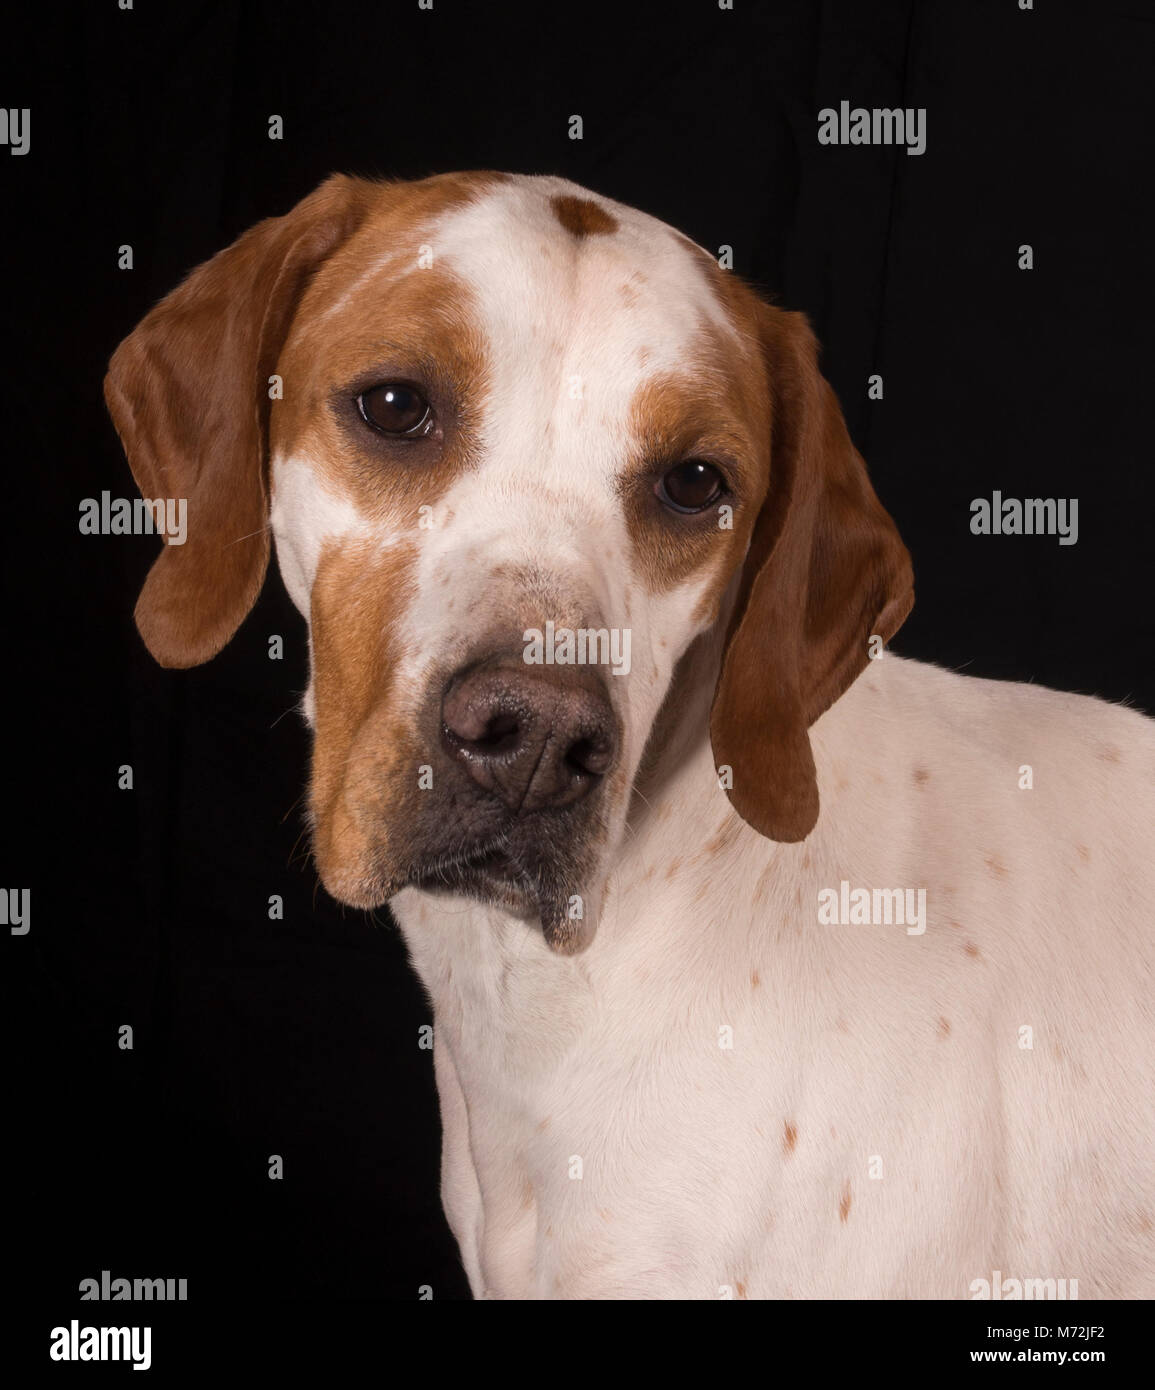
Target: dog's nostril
{"points": [[499, 733], [473, 723], [593, 756]]}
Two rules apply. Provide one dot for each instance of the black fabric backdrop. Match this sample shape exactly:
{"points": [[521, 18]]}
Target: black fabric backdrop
{"points": [[149, 907]]}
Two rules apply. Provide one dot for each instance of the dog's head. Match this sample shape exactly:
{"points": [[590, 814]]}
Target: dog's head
{"points": [[518, 446]]}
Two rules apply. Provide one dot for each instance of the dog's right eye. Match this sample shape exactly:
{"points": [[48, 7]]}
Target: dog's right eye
{"points": [[691, 486], [394, 408]]}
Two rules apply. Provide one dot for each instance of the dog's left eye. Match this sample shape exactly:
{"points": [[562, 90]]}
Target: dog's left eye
{"points": [[691, 486], [393, 408]]}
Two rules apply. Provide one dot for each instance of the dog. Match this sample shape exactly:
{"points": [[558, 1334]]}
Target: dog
{"points": [[764, 963]]}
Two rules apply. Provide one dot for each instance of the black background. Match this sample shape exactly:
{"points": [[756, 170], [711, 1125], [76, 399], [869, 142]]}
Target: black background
{"points": [[149, 907]]}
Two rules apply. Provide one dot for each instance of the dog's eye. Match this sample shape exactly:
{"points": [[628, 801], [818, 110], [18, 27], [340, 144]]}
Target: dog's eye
{"points": [[691, 486], [393, 408]]}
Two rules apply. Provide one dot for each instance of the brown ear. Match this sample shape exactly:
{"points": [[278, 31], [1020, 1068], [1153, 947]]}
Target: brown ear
{"points": [[826, 571], [188, 393]]}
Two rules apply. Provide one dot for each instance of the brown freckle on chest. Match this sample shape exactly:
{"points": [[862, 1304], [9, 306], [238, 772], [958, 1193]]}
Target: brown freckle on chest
{"points": [[755, 979], [789, 1138], [844, 1204], [996, 865], [1108, 753], [972, 950], [738, 1284], [582, 216], [1084, 853], [943, 1027], [728, 833], [921, 776]]}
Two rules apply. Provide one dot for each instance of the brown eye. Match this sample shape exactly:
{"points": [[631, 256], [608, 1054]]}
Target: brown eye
{"points": [[691, 486], [392, 408]]}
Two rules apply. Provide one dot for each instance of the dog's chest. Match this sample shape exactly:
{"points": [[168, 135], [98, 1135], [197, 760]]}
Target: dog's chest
{"points": [[649, 1126]]}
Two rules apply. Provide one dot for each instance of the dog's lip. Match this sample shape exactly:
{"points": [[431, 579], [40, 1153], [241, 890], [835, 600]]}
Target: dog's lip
{"points": [[448, 871]]}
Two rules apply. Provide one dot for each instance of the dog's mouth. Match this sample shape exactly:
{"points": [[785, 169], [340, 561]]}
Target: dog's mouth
{"points": [[523, 875], [488, 873]]}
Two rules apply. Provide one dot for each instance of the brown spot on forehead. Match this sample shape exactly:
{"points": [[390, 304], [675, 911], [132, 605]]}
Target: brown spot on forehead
{"points": [[582, 217]]}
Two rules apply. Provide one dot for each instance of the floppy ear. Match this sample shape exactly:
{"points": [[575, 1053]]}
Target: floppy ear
{"points": [[826, 570], [188, 393]]}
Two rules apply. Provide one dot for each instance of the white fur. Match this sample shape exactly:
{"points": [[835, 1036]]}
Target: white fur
{"points": [[1037, 1162], [710, 1171]]}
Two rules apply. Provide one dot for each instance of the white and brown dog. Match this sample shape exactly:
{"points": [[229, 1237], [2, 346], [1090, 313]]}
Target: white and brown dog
{"points": [[491, 420]]}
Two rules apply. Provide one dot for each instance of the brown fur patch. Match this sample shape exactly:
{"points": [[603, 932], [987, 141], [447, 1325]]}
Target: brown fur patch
{"points": [[373, 313], [400, 322], [715, 410], [582, 217], [361, 751], [825, 570], [187, 391]]}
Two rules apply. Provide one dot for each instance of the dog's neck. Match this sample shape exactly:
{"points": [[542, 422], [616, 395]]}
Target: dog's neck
{"points": [[491, 974]]}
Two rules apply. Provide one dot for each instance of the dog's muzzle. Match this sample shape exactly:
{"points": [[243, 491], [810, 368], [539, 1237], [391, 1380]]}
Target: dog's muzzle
{"points": [[516, 813]]}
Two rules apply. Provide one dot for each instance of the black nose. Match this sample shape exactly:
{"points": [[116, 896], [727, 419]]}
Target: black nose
{"points": [[537, 739]]}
